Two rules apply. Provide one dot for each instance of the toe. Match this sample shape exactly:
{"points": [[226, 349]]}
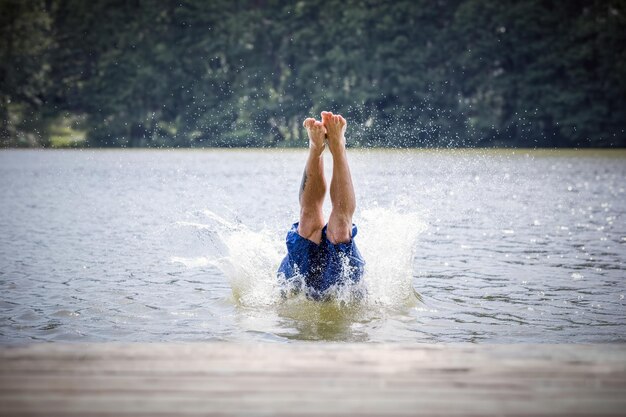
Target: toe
{"points": [[308, 123], [326, 115]]}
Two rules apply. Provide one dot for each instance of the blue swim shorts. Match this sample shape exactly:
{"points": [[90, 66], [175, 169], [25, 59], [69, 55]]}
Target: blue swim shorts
{"points": [[322, 266]]}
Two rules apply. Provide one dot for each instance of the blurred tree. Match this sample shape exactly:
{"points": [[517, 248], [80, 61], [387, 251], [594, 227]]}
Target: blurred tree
{"points": [[24, 41], [542, 73], [246, 72]]}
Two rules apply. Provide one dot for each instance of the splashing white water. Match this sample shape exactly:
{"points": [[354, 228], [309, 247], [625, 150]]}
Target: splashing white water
{"points": [[250, 259], [387, 241]]}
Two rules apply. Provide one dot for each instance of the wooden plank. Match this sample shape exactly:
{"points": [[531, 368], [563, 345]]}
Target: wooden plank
{"points": [[312, 379]]}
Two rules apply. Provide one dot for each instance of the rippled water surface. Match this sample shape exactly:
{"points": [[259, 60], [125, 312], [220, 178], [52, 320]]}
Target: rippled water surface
{"points": [[502, 246]]}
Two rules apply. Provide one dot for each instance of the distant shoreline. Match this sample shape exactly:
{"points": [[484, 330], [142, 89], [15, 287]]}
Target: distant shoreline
{"points": [[392, 148], [537, 151]]}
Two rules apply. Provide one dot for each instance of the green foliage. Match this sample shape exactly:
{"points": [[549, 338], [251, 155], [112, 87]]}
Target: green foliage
{"points": [[24, 43], [195, 73]]}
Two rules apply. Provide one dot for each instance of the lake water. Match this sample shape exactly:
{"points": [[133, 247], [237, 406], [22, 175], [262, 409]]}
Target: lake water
{"points": [[182, 245]]}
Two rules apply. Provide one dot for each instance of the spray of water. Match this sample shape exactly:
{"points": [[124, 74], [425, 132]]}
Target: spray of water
{"points": [[249, 260]]}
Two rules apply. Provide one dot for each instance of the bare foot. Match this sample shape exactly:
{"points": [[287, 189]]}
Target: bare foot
{"points": [[335, 131], [317, 134]]}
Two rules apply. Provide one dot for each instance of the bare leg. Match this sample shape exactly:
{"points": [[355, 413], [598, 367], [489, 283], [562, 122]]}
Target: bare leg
{"points": [[341, 188], [313, 188]]}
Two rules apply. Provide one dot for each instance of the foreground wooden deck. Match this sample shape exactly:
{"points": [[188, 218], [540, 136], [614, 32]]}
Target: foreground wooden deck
{"points": [[312, 379]]}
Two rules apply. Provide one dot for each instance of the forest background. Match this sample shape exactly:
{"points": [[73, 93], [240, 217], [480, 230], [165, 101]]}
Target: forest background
{"points": [[245, 73]]}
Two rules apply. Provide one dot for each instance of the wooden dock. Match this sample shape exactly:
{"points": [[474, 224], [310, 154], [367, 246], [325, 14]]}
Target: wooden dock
{"points": [[312, 379]]}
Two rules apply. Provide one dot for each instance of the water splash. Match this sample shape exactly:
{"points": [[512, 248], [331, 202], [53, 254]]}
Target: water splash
{"points": [[387, 240], [249, 259]]}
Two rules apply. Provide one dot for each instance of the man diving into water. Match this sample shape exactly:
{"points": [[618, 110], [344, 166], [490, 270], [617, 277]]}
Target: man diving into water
{"points": [[322, 256]]}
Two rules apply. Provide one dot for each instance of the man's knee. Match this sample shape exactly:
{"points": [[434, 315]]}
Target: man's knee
{"points": [[339, 235], [310, 232], [311, 225], [339, 229]]}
